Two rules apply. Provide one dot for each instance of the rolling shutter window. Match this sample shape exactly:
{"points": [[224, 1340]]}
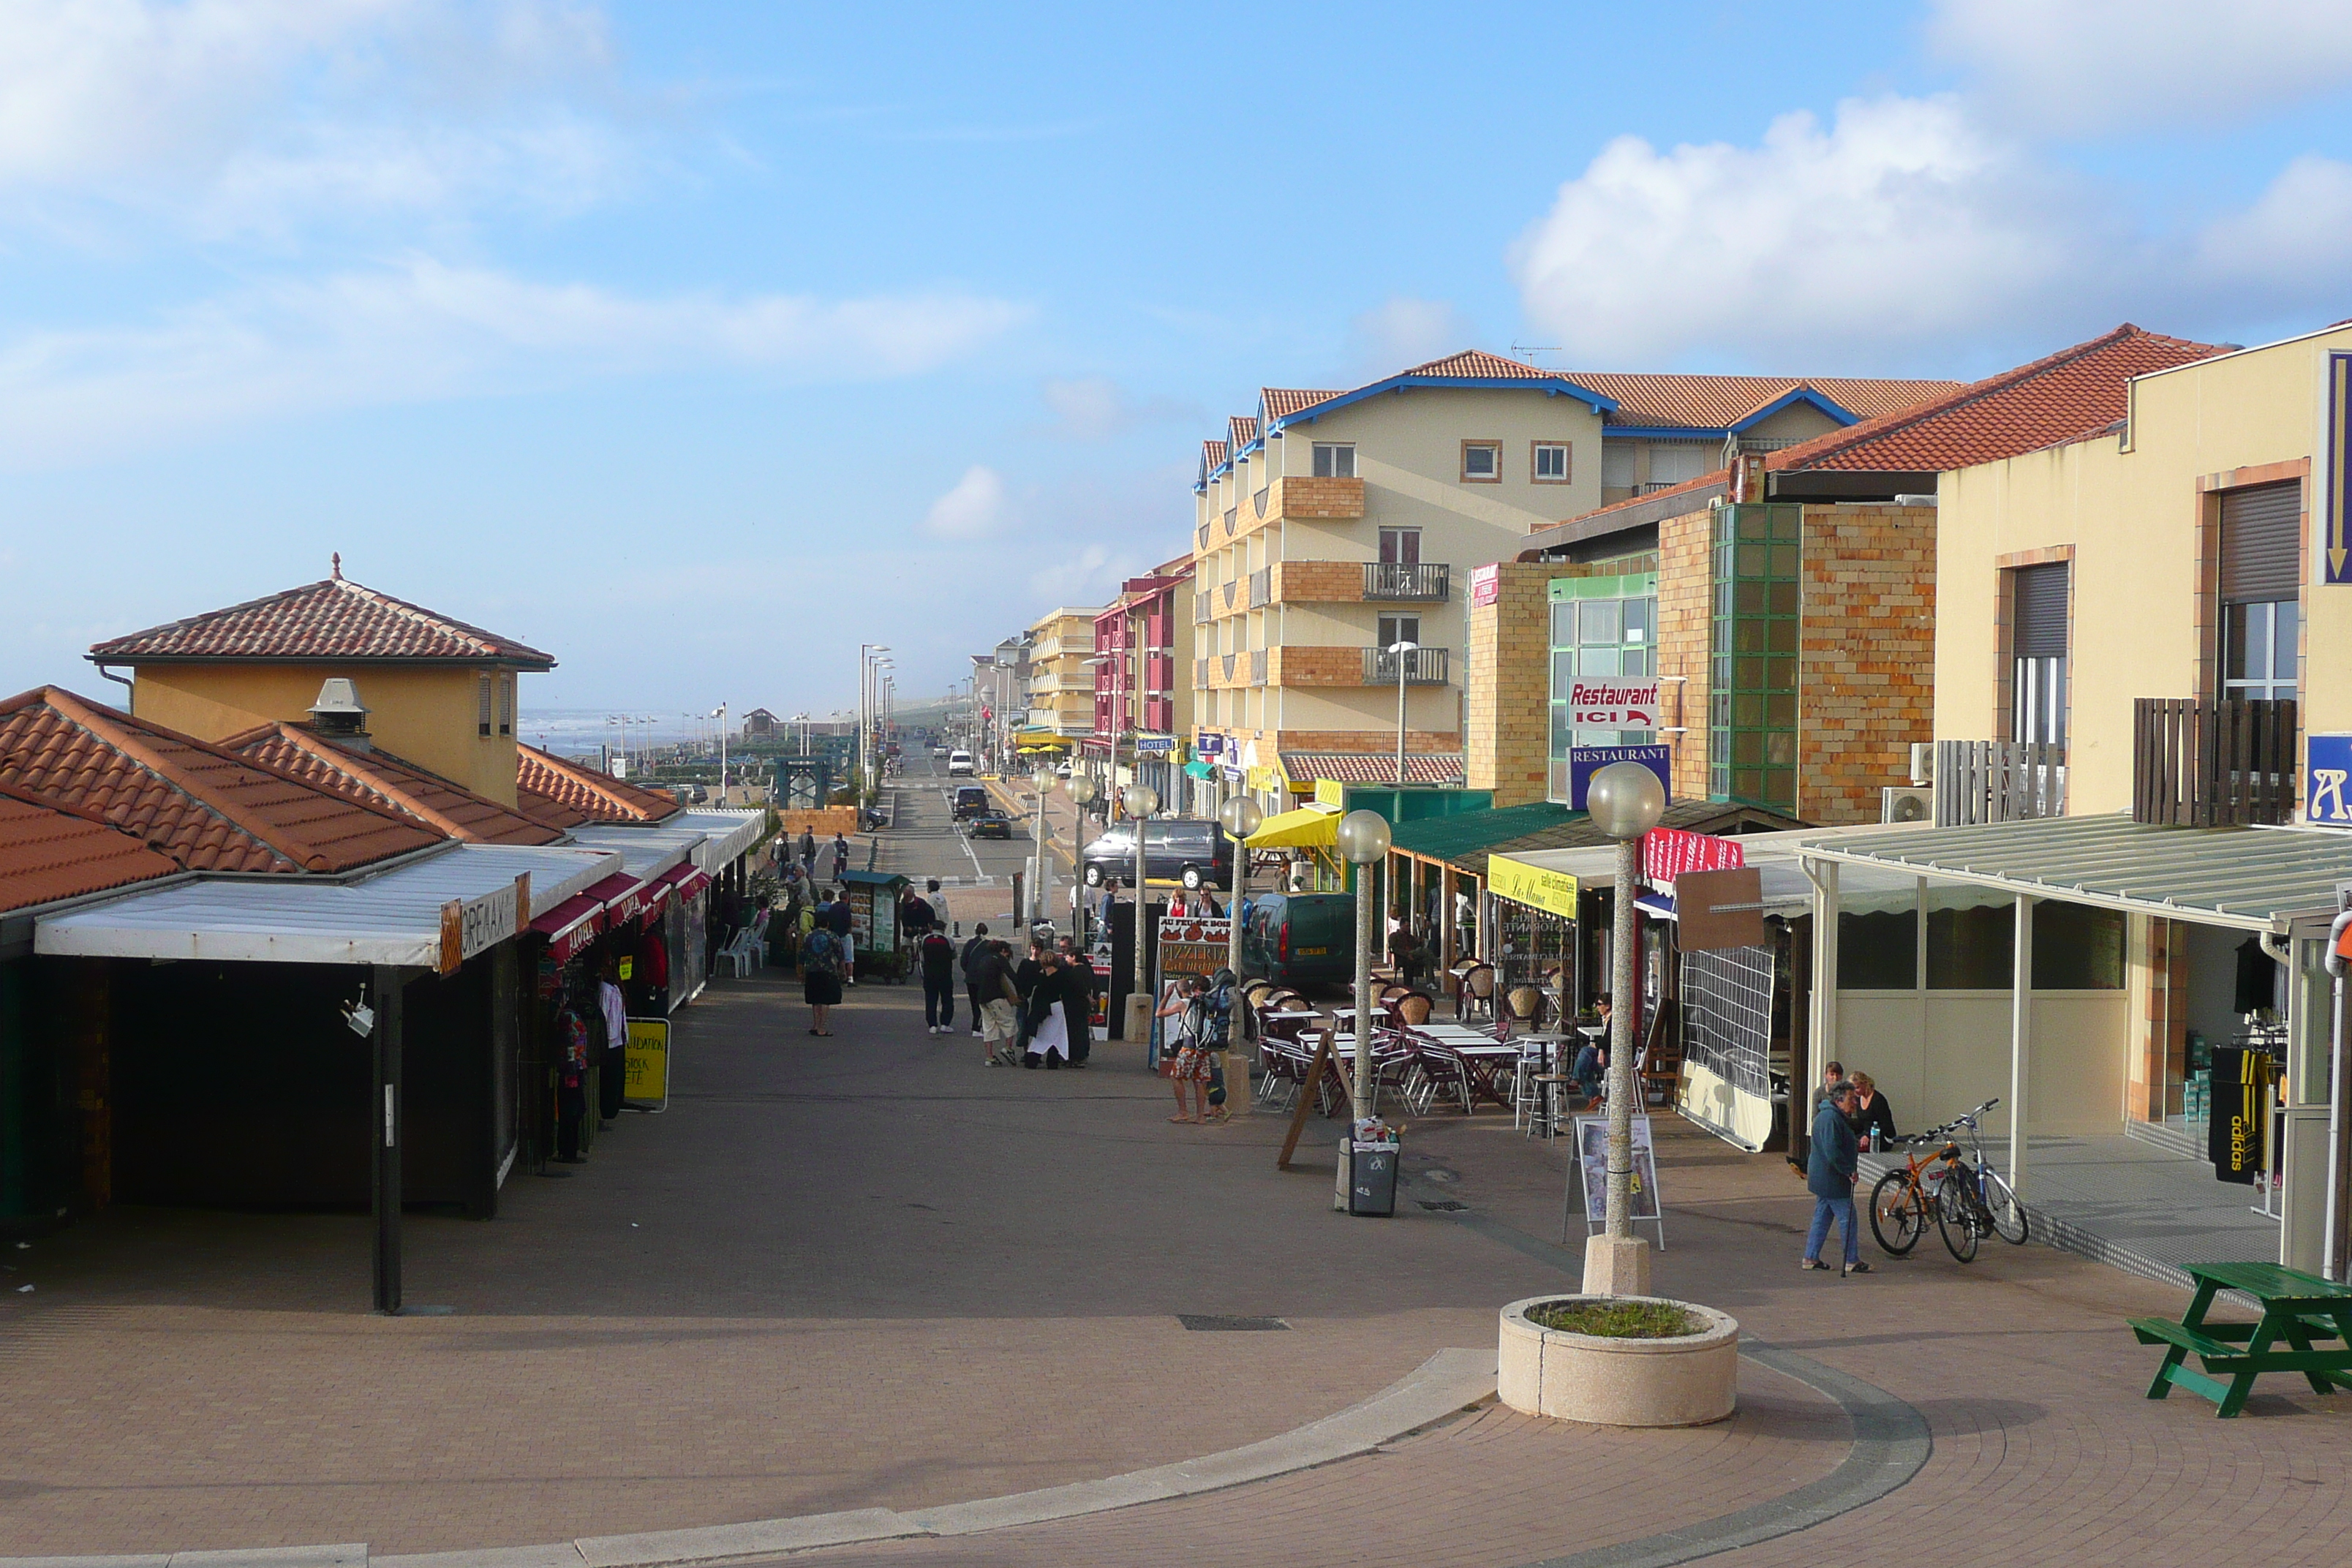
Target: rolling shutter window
{"points": [[2261, 534], [2040, 625]]}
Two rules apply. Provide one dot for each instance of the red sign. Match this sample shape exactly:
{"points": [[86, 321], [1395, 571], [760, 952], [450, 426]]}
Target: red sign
{"points": [[1486, 585], [1613, 704], [1669, 852]]}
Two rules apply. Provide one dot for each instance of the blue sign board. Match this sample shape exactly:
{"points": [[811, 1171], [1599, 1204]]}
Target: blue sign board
{"points": [[2327, 780], [1154, 745], [1583, 762]]}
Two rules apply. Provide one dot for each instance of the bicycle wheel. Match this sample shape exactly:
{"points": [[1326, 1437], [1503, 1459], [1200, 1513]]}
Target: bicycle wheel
{"points": [[2006, 1212], [1955, 1217], [1897, 1216]]}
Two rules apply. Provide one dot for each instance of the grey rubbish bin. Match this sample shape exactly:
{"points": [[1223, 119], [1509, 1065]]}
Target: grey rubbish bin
{"points": [[1367, 1177]]}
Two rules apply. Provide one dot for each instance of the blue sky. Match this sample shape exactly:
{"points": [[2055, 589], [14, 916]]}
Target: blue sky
{"points": [[697, 344]]}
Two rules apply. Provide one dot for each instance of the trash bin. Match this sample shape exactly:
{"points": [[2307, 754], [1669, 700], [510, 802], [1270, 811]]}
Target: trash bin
{"points": [[1368, 1176]]}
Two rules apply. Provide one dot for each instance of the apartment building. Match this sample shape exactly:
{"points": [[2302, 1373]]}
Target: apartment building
{"points": [[1330, 527], [1142, 674], [1061, 682]]}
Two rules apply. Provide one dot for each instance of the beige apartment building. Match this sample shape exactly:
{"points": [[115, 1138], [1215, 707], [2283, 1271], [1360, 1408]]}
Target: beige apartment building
{"points": [[1061, 682], [1331, 526]]}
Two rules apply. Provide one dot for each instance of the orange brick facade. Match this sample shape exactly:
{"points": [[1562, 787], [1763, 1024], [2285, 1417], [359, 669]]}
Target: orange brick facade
{"points": [[1324, 582], [1685, 635], [1867, 651]]}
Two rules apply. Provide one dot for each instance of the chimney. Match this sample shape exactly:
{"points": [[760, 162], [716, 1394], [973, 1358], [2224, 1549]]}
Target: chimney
{"points": [[338, 715]]}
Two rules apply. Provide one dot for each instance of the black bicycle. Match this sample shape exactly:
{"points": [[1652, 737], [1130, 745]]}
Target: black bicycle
{"points": [[1973, 1200]]}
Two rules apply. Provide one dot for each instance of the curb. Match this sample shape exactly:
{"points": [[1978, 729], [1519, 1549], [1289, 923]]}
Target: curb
{"points": [[1440, 1386]]}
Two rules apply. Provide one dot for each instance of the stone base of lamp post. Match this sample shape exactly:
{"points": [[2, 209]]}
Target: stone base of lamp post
{"points": [[1616, 1266], [1136, 1027]]}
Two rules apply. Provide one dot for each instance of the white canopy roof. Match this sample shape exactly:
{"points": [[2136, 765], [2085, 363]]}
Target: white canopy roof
{"points": [[711, 839], [393, 917], [1787, 889]]}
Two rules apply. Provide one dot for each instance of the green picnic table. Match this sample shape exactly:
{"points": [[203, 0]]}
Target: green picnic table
{"points": [[2298, 1308]]}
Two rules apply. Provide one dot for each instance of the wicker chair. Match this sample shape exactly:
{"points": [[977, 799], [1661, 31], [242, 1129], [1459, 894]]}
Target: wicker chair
{"points": [[1521, 1004], [1413, 1007], [1476, 994]]}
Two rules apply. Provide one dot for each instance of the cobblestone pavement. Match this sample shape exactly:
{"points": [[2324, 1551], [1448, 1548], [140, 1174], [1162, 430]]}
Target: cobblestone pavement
{"points": [[867, 1271]]}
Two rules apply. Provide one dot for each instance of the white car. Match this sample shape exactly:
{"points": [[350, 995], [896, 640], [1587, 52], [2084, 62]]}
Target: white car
{"points": [[959, 764]]}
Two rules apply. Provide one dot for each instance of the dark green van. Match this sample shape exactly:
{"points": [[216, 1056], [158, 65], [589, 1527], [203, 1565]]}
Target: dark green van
{"points": [[1295, 939]]}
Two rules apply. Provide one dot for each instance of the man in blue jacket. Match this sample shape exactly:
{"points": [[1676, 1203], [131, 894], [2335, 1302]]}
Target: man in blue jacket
{"points": [[1829, 1173]]}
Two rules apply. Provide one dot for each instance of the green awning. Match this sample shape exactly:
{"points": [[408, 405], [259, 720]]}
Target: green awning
{"points": [[1471, 832], [1465, 841]]}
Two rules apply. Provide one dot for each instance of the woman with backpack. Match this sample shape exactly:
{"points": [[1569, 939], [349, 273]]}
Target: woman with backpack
{"points": [[820, 976], [1183, 1053]]}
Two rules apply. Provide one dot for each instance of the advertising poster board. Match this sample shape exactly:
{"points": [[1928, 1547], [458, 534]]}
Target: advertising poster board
{"points": [[1583, 762], [2236, 1134], [1592, 1168], [644, 1063]]}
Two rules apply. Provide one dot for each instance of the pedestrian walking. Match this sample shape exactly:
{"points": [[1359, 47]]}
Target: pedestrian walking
{"points": [[840, 855], [837, 919], [808, 852], [1051, 1022], [613, 1070], [938, 955], [820, 978], [1830, 1172], [938, 902], [1183, 1060], [998, 1000], [1027, 976], [1079, 982], [973, 991]]}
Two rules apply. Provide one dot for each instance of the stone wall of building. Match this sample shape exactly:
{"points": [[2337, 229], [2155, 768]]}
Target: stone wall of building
{"points": [[1507, 682], [1685, 629], [1868, 655]]}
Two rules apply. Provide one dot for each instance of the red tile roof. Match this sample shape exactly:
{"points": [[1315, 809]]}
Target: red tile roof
{"points": [[383, 780], [2074, 393], [335, 621], [1212, 455], [1371, 767], [1478, 364], [1240, 431], [48, 853], [1281, 402], [207, 809], [564, 795], [1719, 402]]}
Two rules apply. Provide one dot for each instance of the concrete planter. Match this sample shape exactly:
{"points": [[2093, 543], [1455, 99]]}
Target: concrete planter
{"points": [[1685, 1382]]}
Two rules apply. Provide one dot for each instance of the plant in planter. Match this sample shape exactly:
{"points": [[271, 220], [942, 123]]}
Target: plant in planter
{"points": [[1619, 1361]]}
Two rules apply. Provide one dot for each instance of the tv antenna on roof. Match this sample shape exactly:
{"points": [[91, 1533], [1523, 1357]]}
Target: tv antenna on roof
{"points": [[1535, 348]]}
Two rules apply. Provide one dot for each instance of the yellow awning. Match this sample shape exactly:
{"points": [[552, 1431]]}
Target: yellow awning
{"points": [[1305, 829]]}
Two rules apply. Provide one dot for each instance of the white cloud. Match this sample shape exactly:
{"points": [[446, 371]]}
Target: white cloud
{"points": [[1896, 229], [233, 114], [1095, 408], [1903, 235], [2095, 65], [1084, 576], [425, 329], [979, 506], [1401, 331]]}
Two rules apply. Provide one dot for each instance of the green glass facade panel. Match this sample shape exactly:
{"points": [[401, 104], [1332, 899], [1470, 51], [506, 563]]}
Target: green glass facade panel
{"points": [[1605, 628], [1755, 636]]}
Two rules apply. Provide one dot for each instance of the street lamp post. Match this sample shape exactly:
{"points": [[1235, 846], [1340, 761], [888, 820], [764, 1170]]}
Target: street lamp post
{"points": [[1397, 650], [1043, 780], [1140, 801], [1084, 793], [1364, 843], [1624, 800], [1240, 817], [720, 713]]}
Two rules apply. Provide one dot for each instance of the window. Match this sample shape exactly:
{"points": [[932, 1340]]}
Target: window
{"points": [[1547, 463], [2077, 948], [1482, 462], [1674, 462], [1971, 933], [2037, 713], [1752, 708], [2261, 570], [1600, 629], [1399, 547], [1335, 459], [506, 704], [1617, 466], [1878, 950], [482, 702], [1395, 629]]}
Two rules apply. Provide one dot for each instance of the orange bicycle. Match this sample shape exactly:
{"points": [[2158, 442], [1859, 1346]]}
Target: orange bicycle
{"points": [[1905, 1202]]}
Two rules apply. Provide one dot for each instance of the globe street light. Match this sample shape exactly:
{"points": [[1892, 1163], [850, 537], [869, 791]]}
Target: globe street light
{"points": [[1624, 800], [1240, 817], [1401, 652], [1140, 801], [1363, 844]]}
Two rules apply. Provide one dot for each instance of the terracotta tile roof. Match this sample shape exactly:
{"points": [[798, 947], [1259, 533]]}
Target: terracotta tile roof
{"points": [[1371, 767], [1240, 431], [566, 795], [2074, 393], [383, 780], [1476, 365], [1213, 457], [48, 853], [207, 809], [1719, 402], [1281, 402], [334, 621]]}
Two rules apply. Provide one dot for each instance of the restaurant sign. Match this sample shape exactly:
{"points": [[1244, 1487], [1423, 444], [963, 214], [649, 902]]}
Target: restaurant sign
{"points": [[1583, 762], [1669, 852], [1486, 585], [1613, 704], [1538, 887]]}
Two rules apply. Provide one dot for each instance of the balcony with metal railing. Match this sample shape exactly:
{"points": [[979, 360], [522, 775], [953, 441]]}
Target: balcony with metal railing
{"points": [[1401, 580], [1422, 666], [1261, 587], [2212, 764], [1257, 667]]}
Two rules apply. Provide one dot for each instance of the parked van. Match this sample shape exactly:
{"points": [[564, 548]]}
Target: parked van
{"points": [[1295, 939], [970, 800], [959, 764], [1189, 850]]}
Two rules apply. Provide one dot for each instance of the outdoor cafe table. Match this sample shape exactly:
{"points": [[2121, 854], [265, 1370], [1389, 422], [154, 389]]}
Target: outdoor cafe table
{"points": [[2301, 1309]]}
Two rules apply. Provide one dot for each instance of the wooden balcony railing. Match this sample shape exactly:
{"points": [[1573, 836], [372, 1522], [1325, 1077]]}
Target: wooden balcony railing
{"points": [[2212, 764], [1997, 780]]}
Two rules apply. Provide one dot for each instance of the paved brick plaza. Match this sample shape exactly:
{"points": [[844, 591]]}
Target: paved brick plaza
{"points": [[867, 1271]]}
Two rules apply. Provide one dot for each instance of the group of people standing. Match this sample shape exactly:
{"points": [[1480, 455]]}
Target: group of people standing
{"points": [[1037, 1011], [1849, 1116]]}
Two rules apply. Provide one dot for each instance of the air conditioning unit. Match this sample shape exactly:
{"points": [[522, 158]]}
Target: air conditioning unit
{"points": [[1923, 763], [1899, 803]]}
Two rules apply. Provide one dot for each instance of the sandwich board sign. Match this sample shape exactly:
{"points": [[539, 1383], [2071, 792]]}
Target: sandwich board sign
{"points": [[1593, 1169]]}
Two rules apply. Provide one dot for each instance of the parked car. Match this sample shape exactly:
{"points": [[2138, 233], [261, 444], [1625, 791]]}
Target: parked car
{"points": [[991, 825], [1179, 849], [959, 764], [1294, 939], [970, 801]]}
